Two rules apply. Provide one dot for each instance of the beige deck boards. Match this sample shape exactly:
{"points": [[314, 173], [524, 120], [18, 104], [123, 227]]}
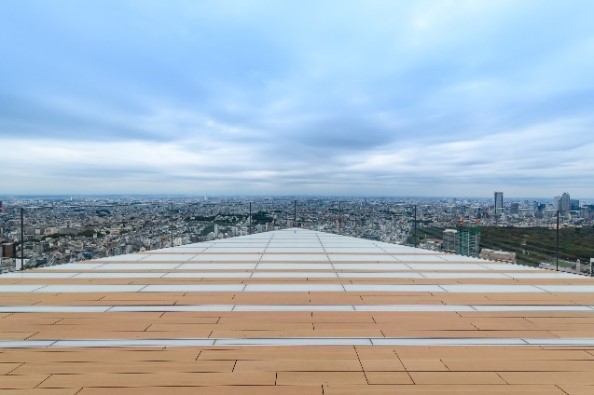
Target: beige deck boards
{"points": [[297, 324], [84, 369], [212, 390]]}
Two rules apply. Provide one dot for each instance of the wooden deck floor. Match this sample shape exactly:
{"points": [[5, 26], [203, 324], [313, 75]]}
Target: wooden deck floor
{"points": [[295, 312]]}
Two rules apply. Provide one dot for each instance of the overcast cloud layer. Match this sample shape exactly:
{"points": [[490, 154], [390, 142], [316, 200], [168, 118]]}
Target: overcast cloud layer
{"points": [[437, 98]]}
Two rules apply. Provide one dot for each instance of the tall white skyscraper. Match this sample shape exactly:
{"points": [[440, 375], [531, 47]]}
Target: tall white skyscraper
{"points": [[564, 203]]}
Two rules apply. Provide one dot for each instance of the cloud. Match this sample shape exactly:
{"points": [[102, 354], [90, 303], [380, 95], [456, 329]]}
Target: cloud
{"points": [[419, 97]]}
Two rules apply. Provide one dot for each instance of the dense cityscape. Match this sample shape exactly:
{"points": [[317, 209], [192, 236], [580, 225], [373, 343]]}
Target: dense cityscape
{"points": [[66, 229]]}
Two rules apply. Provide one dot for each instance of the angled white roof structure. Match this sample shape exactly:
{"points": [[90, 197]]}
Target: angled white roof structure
{"points": [[295, 311]]}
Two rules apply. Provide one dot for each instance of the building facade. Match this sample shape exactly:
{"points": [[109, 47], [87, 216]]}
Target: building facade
{"points": [[498, 202], [468, 241], [564, 203]]}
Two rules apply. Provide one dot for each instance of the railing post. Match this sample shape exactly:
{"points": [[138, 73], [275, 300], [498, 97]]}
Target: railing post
{"points": [[20, 267], [557, 249], [339, 217], [416, 239]]}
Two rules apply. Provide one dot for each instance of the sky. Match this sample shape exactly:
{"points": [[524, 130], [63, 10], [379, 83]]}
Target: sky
{"points": [[370, 97]]}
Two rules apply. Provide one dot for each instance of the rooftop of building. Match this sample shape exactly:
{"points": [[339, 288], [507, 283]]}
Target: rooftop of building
{"points": [[295, 311]]}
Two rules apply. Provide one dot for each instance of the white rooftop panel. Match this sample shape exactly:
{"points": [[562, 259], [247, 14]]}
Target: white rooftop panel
{"points": [[133, 343], [26, 344], [236, 243], [265, 235], [91, 265], [217, 266], [294, 250], [455, 275], [383, 244], [347, 243], [567, 288], [530, 308], [508, 266], [119, 275], [490, 288], [455, 288], [391, 288], [226, 257], [460, 258], [561, 342], [354, 250], [547, 274], [62, 288], [293, 308], [287, 244], [19, 288], [294, 266], [53, 309], [446, 266], [236, 250], [294, 275], [167, 258], [380, 275], [294, 288], [295, 257], [319, 341], [418, 258], [413, 307], [180, 249], [27, 275], [360, 258], [407, 250], [172, 308], [138, 266], [447, 342], [123, 258], [193, 288], [208, 274], [306, 307], [370, 266], [299, 341]]}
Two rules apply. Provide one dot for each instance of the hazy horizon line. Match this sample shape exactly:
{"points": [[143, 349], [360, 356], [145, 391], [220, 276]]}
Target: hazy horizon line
{"points": [[242, 196]]}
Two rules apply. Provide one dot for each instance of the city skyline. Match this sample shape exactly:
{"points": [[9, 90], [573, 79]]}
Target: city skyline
{"points": [[423, 98], [214, 197]]}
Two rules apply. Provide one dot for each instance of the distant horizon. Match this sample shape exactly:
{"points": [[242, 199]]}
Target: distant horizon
{"points": [[267, 196]]}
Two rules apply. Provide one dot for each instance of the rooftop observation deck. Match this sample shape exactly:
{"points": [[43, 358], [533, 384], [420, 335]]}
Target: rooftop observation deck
{"points": [[295, 312]]}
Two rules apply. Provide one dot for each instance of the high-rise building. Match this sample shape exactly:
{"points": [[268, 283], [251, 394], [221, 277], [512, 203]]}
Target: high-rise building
{"points": [[514, 208], [449, 240], [587, 211], [574, 205], [498, 202], [564, 203], [468, 241]]}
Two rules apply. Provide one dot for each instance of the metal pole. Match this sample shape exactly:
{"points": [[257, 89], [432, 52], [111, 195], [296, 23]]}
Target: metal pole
{"points": [[339, 217], [22, 240], [295, 213], [250, 225], [416, 239], [557, 250], [358, 225]]}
